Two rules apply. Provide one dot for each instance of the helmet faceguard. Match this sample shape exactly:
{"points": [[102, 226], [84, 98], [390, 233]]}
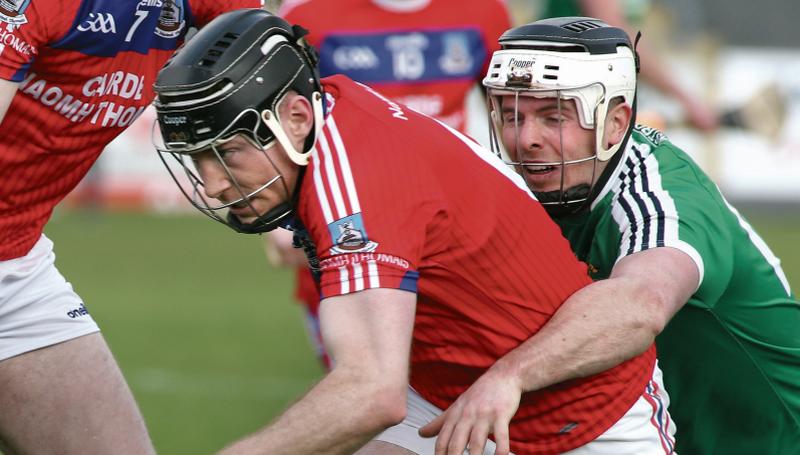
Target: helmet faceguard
{"points": [[229, 80], [571, 58]]}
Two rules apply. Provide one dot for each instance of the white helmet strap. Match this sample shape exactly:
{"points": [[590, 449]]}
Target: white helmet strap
{"points": [[273, 123]]}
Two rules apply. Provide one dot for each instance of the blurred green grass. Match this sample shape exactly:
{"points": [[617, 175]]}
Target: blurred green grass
{"points": [[204, 329]]}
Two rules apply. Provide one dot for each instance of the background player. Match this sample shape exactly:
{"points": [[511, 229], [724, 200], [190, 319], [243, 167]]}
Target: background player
{"points": [[404, 218], [678, 259], [73, 75]]}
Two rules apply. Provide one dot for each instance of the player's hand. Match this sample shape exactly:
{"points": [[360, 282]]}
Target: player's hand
{"points": [[700, 116], [485, 408]]}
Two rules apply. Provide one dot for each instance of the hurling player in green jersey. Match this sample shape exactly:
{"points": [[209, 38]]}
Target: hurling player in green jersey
{"points": [[673, 258]]}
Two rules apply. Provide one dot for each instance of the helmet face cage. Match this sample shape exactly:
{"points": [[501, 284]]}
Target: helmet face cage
{"points": [[182, 167], [495, 99], [230, 79], [573, 58]]}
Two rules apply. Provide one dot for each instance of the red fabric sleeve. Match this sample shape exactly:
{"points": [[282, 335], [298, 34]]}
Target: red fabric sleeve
{"points": [[27, 29]]}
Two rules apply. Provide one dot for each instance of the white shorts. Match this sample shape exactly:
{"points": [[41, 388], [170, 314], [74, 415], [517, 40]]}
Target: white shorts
{"points": [[38, 307], [646, 429]]}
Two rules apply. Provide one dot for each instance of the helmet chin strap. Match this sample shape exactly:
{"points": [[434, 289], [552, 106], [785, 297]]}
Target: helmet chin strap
{"points": [[272, 121], [559, 203], [280, 214], [274, 218]]}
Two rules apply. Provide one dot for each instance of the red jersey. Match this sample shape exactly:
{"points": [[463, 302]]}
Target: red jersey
{"points": [[394, 199], [426, 55], [86, 70]]}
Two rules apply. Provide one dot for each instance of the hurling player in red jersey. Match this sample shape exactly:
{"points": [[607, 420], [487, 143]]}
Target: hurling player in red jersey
{"points": [[73, 75], [436, 264], [425, 54]]}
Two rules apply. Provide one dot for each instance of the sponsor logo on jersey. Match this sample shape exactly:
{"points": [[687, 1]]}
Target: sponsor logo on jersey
{"points": [[651, 134], [456, 58], [98, 23], [8, 39], [171, 21], [335, 262], [123, 85], [13, 11], [349, 236], [78, 312], [355, 58]]}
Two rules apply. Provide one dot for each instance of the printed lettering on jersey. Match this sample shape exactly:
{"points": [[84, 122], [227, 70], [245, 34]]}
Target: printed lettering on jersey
{"points": [[108, 27], [653, 135], [335, 262], [13, 11], [384, 57], [127, 86], [98, 22], [9, 40], [349, 236]]}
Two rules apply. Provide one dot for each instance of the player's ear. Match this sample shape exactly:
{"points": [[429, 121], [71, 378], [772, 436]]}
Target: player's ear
{"points": [[297, 117], [617, 122]]}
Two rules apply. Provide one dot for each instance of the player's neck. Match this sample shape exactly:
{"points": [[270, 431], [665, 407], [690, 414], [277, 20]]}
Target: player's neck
{"points": [[402, 6]]}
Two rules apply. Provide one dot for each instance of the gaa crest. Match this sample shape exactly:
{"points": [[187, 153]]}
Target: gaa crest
{"points": [[13, 11], [171, 21], [349, 236]]}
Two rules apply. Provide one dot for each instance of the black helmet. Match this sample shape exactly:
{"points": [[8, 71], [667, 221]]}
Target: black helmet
{"points": [[229, 79], [244, 60]]}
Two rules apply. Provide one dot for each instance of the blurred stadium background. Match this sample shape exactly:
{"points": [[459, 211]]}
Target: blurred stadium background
{"points": [[206, 331]]}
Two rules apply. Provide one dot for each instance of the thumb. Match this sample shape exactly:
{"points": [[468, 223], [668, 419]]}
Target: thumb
{"points": [[433, 427]]}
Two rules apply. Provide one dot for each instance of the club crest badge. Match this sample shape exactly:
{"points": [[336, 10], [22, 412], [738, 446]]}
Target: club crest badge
{"points": [[349, 236], [13, 11], [171, 22], [456, 58]]}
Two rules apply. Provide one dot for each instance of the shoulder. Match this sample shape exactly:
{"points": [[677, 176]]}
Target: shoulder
{"points": [[46, 18]]}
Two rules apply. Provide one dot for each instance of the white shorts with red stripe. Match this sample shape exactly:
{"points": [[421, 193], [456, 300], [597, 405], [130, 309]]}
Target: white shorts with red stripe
{"points": [[646, 429], [38, 307]]}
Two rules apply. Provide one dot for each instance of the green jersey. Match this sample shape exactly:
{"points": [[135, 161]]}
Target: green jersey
{"points": [[731, 355]]}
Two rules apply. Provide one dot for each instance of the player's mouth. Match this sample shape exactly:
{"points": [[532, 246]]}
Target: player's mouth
{"points": [[241, 208], [539, 170]]}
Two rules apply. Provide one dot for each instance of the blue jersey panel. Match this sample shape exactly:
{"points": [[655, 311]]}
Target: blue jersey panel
{"points": [[386, 57], [104, 28]]}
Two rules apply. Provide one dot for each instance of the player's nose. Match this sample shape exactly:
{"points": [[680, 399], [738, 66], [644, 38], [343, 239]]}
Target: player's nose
{"points": [[215, 179]]}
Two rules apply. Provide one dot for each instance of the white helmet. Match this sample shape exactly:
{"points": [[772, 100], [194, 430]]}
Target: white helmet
{"points": [[578, 58]]}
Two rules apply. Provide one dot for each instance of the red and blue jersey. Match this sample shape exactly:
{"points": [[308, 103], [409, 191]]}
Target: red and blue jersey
{"points": [[427, 56], [85, 71], [395, 199]]}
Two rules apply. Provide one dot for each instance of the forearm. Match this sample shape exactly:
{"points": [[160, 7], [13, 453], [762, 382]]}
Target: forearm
{"points": [[597, 328], [337, 416]]}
